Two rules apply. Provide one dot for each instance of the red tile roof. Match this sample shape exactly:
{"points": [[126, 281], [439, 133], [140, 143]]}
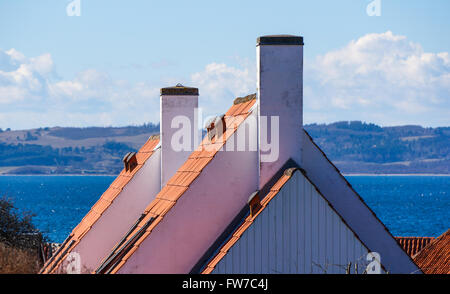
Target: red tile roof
{"points": [[100, 206], [412, 245], [177, 185], [435, 257], [248, 221]]}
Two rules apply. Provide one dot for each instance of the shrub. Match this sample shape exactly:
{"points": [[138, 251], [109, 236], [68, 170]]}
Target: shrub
{"points": [[14, 260], [20, 241]]}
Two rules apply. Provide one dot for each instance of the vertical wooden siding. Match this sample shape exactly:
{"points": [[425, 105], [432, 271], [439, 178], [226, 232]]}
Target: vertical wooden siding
{"points": [[297, 233]]}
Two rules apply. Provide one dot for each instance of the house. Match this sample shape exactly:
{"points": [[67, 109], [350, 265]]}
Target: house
{"points": [[257, 195], [432, 255], [413, 245]]}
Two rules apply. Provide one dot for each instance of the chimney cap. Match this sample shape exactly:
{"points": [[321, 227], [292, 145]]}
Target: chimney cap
{"points": [[279, 40], [179, 89]]}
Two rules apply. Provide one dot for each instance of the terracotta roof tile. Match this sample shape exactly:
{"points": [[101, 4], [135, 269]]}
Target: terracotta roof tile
{"points": [[435, 257], [240, 109], [218, 257], [111, 193], [208, 270], [118, 267], [161, 206], [242, 228], [246, 108], [237, 233], [132, 250], [237, 120], [280, 183], [171, 193], [229, 244], [188, 178], [152, 226], [100, 206], [412, 245], [187, 166], [232, 110], [142, 157], [185, 175]]}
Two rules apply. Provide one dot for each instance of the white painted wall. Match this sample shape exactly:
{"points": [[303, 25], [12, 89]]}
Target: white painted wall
{"points": [[201, 214], [120, 215], [357, 215], [174, 106], [280, 94], [297, 233]]}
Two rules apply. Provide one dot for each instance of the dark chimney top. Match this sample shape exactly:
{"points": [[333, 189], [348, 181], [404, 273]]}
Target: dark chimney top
{"points": [[179, 89], [279, 40]]}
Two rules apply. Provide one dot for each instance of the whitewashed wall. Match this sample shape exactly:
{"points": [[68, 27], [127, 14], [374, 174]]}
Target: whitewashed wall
{"points": [[298, 232], [120, 215], [280, 94], [173, 107], [203, 212]]}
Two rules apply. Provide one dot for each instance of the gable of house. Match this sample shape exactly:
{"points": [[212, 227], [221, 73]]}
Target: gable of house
{"points": [[98, 212], [193, 207], [296, 230]]}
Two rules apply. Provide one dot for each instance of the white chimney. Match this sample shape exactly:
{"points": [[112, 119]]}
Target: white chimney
{"points": [[280, 94], [178, 128]]}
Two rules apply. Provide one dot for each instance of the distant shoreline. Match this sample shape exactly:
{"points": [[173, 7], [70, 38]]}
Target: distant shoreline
{"points": [[59, 175], [395, 175], [344, 174]]}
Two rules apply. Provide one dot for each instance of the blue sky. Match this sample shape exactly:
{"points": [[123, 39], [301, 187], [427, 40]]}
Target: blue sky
{"points": [[105, 67]]}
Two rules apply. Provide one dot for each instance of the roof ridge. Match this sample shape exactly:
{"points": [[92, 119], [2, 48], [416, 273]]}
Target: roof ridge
{"points": [[154, 137], [244, 99]]}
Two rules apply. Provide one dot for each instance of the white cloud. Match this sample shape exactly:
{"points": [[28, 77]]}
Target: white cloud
{"points": [[23, 78], [219, 84], [30, 96], [382, 78]]}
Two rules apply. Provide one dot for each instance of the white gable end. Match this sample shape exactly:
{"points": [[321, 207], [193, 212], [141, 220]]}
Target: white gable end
{"points": [[298, 232]]}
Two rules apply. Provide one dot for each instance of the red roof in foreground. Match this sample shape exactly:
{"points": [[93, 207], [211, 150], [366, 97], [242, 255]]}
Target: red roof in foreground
{"points": [[100, 206], [435, 257], [176, 186], [412, 245], [248, 221]]}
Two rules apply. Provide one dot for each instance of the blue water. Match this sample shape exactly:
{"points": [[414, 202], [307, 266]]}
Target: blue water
{"points": [[58, 202], [408, 205]]}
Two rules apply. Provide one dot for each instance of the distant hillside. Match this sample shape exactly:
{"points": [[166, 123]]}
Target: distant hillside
{"points": [[93, 150], [355, 147]]}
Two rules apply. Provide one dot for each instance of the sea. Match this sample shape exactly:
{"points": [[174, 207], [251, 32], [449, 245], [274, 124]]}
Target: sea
{"points": [[412, 205]]}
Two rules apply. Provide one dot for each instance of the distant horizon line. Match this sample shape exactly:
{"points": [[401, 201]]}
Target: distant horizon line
{"points": [[157, 124], [344, 174]]}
